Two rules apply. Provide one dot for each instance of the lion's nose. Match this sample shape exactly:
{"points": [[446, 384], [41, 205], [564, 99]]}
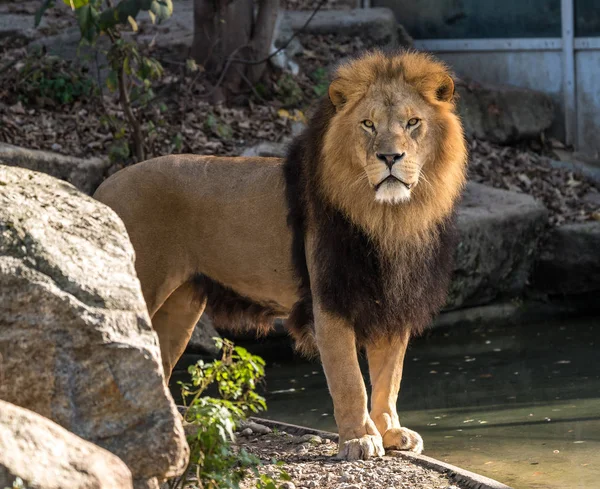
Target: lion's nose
{"points": [[390, 159]]}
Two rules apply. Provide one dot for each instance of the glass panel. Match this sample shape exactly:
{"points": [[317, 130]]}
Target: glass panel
{"points": [[587, 18], [473, 19]]}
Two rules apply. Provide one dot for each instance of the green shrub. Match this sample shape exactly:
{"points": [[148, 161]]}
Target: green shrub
{"points": [[321, 79], [288, 91], [131, 73], [47, 80], [215, 461]]}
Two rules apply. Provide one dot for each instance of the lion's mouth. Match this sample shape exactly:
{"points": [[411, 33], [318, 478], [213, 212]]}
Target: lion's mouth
{"points": [[393, 179]]}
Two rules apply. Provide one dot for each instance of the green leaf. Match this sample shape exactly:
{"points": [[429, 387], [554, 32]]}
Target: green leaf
{"points": [[119, 14], [86, 18], [132, 23], [163, 9], [111, 80], [46, 4], [108, 19], [126, 66], [75, 4], [128, 8]]}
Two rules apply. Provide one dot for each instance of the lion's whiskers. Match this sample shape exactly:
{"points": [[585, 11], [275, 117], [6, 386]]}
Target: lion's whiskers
{"points": [[363, 176], [425, 179]]}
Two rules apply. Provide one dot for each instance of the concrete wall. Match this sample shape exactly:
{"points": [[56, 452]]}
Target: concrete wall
{"points": [[536, 70], [587, 64]]}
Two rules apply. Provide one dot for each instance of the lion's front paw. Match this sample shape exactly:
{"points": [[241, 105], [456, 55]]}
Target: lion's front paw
{"points": [[403, 439], [363, 448]]}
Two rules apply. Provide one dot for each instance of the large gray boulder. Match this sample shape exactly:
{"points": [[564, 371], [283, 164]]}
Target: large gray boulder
{"points": [[46, 456], [499, 233], [503, 114], [85, 173], [76, 344], [570, 260]]}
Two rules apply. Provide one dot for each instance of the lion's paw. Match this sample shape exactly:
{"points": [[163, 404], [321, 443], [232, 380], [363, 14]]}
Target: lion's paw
{"points": [[363, 448], [403, 439]]}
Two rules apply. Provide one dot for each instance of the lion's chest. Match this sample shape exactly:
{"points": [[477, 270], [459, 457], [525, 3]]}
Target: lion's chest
{"points": [[375, 293]]}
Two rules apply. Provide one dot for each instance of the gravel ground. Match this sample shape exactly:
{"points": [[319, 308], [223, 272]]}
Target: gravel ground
{"points": [[310, 462]]}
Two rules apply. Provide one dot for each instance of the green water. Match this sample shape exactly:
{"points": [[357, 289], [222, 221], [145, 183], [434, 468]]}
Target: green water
{"points": [[518, 404]]}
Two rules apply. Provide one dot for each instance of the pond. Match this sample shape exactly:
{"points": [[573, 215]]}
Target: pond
{"points": [[519, 404]]}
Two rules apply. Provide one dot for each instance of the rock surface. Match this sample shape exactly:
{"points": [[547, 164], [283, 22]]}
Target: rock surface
{"points": [[570, 261], [76, 344], [503, 114], [499, 232], [202, 338], [266, 149], [46, 456], [85, 174]]}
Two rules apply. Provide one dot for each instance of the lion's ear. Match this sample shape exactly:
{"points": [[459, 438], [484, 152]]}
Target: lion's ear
{"points": [[445, 89], [336, 95]]}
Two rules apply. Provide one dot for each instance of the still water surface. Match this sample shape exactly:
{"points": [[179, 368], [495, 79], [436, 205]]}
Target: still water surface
{"points": [[518, 404]]}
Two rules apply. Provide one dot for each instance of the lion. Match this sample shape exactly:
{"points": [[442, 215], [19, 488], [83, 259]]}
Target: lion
{"points": [[350, 237]]}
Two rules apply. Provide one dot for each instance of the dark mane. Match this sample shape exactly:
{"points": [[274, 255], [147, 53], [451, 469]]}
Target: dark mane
{"points": [[302, 159], [379, 295]]}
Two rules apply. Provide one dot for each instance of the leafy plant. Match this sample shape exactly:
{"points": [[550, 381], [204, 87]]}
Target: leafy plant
{"points": [[215, 462], [319, 76], [50, 80], [288, 90], [218, 127], [131, 72]]}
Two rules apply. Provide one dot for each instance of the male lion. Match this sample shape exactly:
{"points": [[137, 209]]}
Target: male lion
{"points": [[351, 237]]}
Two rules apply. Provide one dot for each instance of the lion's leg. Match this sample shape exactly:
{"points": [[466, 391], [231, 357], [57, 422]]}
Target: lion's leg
{"points": [[359, 438], [174, 323], [386, 358]]}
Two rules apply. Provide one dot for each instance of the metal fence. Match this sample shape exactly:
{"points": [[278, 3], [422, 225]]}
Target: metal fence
{"points": [[566, 67]]}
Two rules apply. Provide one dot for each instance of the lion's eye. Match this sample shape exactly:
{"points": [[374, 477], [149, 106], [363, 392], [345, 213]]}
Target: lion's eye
{"points": [[368, 124], [413, 122]]}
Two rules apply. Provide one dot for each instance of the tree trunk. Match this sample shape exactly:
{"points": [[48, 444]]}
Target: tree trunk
{"points": [[263, 37], [226, 30]]}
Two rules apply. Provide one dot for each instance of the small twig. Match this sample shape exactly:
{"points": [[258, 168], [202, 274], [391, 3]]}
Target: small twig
{"points": [[223, 72], [170, 62], [98, 74], [138, 138], [245, 78]]}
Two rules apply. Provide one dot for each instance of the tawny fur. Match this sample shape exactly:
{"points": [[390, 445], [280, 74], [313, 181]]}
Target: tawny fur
{"points": [[251, 238], [332, 171], [443, 175]]}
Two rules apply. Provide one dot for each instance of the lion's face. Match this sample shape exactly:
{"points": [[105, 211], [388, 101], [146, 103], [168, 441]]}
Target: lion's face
{"points": [[392, 140], [394, 129]]}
